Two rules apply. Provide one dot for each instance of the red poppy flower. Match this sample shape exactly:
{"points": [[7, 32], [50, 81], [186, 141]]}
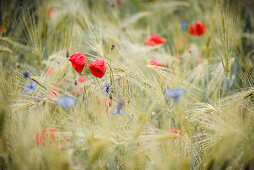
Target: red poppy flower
{"points": [[154, 40], [98, 68], [37, 138], [42, 137], [156, 64], [51, 12], [189, 50], [0, 30], [52, 134], [197, 29], [176, 131], [78, 61], [49, 71], [82, 80], [107, 104]]}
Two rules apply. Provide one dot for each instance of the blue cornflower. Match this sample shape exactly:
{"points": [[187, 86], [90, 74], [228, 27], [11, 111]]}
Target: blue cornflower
{"points": [[26, 74], [66, 102], [30, 87], [108, 89], [184, 26], [119, 108], [174, 93]]}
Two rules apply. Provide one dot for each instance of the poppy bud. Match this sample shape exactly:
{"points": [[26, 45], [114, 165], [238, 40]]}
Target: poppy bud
{"points": [[98, 68], [78, 62], [67, 54], [112, 47], [51, 12]]}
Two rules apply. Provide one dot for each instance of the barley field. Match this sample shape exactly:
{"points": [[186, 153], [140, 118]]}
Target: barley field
{"points": [[126, 84]]}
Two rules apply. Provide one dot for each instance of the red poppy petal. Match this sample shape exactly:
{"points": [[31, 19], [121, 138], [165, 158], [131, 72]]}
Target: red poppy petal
{"points": [[200, 29], [37, 138], [175, 131], [82, 80], [98, 68], [191, 31], [42, 137], [52, 134], [158, 40], [156, 64], [78, 61], [154, 40], [49, 71], [149, 43], [197, 29]]}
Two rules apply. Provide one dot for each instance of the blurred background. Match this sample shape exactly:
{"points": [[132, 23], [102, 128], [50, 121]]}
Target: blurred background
{"points": [[186, 103]]}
